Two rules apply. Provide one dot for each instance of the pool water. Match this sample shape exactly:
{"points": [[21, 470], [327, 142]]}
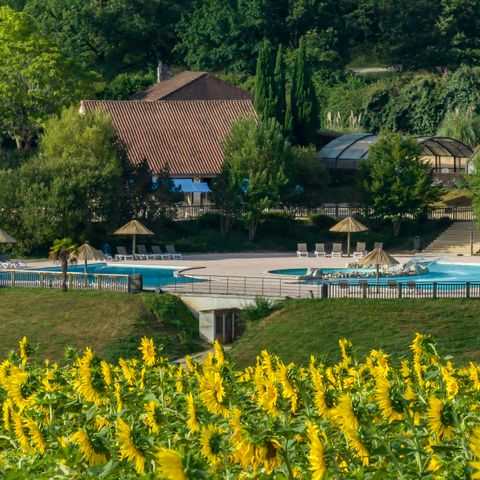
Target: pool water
{"points": [[438, 271], [152, 276]]}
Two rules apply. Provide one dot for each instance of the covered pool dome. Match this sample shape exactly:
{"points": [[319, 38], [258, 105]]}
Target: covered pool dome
{"points": [[446, 155]]}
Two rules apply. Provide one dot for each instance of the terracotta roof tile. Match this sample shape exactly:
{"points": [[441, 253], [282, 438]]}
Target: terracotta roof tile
{"points": [[185, 134]]}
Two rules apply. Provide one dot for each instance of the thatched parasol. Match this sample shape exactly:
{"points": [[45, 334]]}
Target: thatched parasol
{"points": [[86, 252], [6, 238], [348, 225], [378, 257], [134, 228]]}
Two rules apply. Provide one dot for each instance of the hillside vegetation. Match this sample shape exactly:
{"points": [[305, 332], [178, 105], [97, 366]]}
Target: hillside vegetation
{"points": [[313, 327], [111, 323]]}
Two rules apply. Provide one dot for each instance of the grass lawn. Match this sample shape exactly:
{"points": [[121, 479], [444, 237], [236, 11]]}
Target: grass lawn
{"points": [[111, 323], [305, 327]]}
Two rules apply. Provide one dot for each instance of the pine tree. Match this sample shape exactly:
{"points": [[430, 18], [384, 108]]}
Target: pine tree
{"points": [[303, 113], [264, 83], [279, 92]]}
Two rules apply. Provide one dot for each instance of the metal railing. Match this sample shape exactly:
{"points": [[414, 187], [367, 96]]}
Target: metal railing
{"points": [[217, 285], [332, 210], [75, 280]]}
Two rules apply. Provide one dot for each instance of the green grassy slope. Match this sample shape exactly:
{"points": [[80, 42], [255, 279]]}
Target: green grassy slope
{"points": [[111, 323], [305, 327]]}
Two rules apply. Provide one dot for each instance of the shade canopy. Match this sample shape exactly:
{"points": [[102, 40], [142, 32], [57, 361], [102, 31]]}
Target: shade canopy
{"points": [[134, 227], [87, 252], [349, 225], [378, 257], [6, 238], [189, 186]]}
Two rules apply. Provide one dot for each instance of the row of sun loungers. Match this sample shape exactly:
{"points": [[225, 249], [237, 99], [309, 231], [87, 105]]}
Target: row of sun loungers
{"points": [[12, 265], [337, 250], [143, 254]]}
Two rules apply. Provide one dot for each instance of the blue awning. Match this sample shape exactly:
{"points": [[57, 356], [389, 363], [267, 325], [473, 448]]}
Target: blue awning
{"points": [[189, 186]]}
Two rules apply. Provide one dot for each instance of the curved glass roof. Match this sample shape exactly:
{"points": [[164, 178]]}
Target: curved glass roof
{"points": [[348, 149]]}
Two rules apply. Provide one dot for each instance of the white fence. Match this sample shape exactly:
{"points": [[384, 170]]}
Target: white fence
{"points": [[75, 280]]}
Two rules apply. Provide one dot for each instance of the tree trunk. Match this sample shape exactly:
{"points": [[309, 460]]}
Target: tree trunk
{"points": [[226, 222], [64, 274], [396, 227], [252, 230]]}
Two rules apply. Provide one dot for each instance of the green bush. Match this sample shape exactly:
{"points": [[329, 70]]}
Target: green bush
{"points": [[321, 221], [256, 311]]}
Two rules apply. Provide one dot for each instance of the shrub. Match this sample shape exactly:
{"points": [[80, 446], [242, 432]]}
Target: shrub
{"points": [[321, 221]]}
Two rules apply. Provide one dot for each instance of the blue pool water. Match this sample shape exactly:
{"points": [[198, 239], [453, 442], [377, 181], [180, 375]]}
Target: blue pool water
{"points": [[152, 276], [437, 272]]}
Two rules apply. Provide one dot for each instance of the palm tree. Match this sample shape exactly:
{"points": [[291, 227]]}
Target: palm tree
{"points": [[61, 251]]}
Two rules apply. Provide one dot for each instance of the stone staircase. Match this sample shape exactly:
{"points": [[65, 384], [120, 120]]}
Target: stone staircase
{"points": [[456, 240]]}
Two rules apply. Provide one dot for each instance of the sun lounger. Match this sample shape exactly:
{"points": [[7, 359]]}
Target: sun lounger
{"points": [[143, 254], [157, 251], [122, 254], [320, 250], [378, 245], [302, 250], [361, 250], [172, 252], [337, 250]]}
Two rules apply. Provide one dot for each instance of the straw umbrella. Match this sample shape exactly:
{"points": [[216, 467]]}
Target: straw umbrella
{"points": [[134, 228], [6, 238], [86, 252], [378, 257], [348, 225]]}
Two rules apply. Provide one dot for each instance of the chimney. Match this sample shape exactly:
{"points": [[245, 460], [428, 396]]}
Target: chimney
{"points": [[162, 72]]}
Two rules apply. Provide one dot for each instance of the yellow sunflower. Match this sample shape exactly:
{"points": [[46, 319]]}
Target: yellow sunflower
{"points": [[128, 450], [93, 458], [147, 348], [169, 465], [316, 453], [212, 392], [24, 348], [192, 421], [475, 448], [440, 418], [389, 400], [35, 435], [88, 379], [211, 442]]}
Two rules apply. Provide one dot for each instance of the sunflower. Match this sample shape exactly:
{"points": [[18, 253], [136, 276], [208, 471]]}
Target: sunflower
{"points": [[147, 348], [128, 371], [475, 448], [89, 383], [389, 400], [20, 433], [128, 450], [152, 416], [270, 454], [24, 349], [7, 409], [440, 418], [267, 393], [219, 355], [169, 465], [322, 398], [288, 389], [316, 453], [212, 392], [93, 458], [35, 435], [106, 372], [346, 348], [192, 421], [211, 442]]}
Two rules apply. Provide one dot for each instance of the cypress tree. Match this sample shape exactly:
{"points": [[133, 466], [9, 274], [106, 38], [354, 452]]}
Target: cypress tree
{"points": [[303, 101], [279, 93], [264, 83]]}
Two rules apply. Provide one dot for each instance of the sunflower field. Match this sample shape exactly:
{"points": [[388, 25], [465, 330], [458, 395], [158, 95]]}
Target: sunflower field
{"points": [[149, 419]]}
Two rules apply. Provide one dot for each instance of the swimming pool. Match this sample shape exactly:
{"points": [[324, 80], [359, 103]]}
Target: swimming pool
{"points": [[438, 271], [153, 276]]}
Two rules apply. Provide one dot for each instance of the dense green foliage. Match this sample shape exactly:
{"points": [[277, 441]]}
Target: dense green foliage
{"points": [[36, 80], [385, 324], [395, 181]]}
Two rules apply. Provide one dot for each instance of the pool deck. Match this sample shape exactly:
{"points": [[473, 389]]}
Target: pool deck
{"points": [[259, 264]]}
